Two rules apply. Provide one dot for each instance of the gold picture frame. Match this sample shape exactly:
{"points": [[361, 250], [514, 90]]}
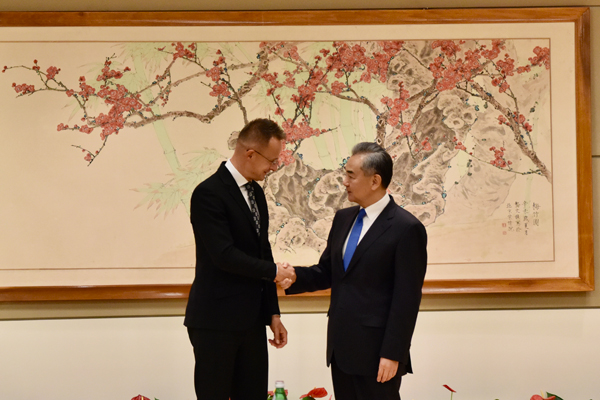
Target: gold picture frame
{"points": [[576, 19]]}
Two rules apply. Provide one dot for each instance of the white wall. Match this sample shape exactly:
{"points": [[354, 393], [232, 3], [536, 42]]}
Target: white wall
{"points": [[484, 355], [504, 355]]}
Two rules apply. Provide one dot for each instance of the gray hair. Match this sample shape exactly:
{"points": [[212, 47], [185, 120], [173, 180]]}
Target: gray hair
{"points": [[376, 161]]}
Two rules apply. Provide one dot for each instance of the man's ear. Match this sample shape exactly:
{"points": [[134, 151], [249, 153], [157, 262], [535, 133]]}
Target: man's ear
{"points": [[376, 181]]}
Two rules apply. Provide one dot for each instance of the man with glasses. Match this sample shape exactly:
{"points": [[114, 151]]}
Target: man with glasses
{"points": [[233, 295]]}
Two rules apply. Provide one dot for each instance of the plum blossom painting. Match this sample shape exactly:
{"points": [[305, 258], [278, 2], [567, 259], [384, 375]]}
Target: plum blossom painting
{"points": [[106, 132]]}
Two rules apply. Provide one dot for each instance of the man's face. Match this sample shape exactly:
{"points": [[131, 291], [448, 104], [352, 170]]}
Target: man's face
{"points": [[358, 185], [264, 159]]}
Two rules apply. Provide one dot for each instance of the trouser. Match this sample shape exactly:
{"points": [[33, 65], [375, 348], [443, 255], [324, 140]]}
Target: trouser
{"points": [[359, 387], [230, 364]]}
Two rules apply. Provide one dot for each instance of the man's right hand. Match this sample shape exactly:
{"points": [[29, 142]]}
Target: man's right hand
{"points": [[286, 275]]}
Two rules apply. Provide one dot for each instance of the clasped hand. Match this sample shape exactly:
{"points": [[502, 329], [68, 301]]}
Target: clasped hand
{"points": [[286, 275]]}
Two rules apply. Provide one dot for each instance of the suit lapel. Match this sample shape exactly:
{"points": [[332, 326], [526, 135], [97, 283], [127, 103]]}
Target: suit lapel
{"points": [[340, 236], [377, 229], [236, 193]]}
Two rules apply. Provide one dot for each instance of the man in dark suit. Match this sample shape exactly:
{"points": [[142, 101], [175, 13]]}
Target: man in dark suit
{"points": [[374, 263], [233, 295]]}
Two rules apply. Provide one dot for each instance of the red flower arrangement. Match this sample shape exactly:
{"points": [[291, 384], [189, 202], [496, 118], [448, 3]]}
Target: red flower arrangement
{"points": [[316, 393], [549, 396]]}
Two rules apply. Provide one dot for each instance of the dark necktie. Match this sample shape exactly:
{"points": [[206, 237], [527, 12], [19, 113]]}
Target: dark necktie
{"points": [[253, 206], [353, 239]]}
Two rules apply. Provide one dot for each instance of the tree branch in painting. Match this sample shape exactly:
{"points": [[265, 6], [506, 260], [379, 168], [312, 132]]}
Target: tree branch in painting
{"points": [[433, 105]]}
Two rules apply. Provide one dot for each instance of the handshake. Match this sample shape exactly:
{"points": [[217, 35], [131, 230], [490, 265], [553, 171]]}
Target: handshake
{"points": [[286, 275]]}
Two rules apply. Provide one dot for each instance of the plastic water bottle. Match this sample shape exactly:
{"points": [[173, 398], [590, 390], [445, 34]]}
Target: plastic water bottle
{"points": [[279, 391]]}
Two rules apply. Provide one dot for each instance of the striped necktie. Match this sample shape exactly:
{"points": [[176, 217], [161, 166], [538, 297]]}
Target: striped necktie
{"points": [[253, 206]]}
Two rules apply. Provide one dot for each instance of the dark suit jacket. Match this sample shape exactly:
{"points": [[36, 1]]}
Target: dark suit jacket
{"points": [[374, 304], [233, 287]]}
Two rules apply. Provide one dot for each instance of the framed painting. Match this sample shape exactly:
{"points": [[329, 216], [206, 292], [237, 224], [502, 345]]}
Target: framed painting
{"points": [[109, 121]]}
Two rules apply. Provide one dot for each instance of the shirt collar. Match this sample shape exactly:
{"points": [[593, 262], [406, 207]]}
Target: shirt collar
{"points": [[376, 208], [239, 178]]}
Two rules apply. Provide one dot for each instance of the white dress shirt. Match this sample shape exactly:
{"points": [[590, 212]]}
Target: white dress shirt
{"points": [[239, 179], [372, 212]]}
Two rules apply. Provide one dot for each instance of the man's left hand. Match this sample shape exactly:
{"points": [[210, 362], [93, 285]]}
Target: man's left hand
{"points": [[387, 369], [280, 333]]}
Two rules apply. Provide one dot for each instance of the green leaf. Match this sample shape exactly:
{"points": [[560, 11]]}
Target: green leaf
{"points": [[167, 196], [548, 394]]}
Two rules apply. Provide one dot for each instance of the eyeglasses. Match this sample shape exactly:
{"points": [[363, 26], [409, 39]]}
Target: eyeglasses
{"points": [[273, 162]]}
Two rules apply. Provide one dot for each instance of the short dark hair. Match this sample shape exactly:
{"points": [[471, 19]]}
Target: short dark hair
{"points": [[261, 131], [376, 161]]}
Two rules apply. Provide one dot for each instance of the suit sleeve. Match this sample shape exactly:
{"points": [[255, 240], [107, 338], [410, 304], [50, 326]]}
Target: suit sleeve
{"points": [[210, 221], [317, 277], [270, 289], [410, 267]]}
